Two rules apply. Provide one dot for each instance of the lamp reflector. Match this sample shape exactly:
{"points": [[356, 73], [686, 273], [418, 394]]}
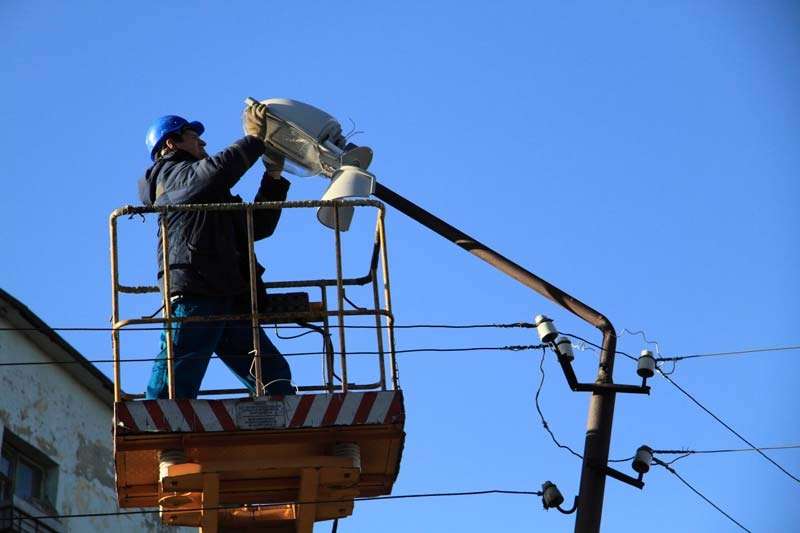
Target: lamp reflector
{"points": [[347, 182]]}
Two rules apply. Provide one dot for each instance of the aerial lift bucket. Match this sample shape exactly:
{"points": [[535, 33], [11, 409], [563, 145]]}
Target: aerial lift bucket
{"points": [[265, 463]]}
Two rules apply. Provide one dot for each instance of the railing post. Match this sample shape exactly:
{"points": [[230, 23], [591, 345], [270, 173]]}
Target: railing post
{"points": [[387, 296], [254, 322], [112, 229], [340, 296], [326, 328], [167, 306]]}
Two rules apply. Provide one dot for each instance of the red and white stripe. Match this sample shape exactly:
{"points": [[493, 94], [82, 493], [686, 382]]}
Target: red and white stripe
{"points": [[301, 411]]}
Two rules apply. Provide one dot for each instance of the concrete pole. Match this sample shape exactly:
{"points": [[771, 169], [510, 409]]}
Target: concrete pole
{"points": [[597, 444]]}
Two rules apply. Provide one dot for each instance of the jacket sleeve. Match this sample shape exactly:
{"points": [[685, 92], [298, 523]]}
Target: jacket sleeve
{"points": [[270, 190], [207, 179]]}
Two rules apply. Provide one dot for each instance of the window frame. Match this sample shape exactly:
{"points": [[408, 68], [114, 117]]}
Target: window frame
{"points": [[16, 450]]}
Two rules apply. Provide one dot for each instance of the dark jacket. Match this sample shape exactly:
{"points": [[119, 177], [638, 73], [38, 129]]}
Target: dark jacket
{"points": [[208, 249]]}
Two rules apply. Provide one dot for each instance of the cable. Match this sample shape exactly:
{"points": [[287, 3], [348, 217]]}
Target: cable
{"points": [[348, 300], [525, 325], [629, 356], [510, 348], [291, 337], [547, 426], [677, 458], [682, 357], [729, 450], [299, 502], [714, 505], [729, 428], [719, 354], [625, 460], [643, 334], [686, 453], [541, 416]]}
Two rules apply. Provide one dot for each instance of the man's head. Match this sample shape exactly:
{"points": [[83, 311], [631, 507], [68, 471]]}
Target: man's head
{"points": [[169, 133]]}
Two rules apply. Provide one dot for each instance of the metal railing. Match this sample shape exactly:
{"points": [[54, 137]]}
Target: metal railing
{"points": [[317, 311]]}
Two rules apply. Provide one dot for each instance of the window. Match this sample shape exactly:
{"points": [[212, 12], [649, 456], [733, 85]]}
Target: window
{"points": [[26, 473], [28, 484], [5, 476], [28, 480]]}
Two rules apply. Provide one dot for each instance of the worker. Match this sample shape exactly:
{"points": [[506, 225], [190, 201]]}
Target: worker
{"points": [[208, 253]]}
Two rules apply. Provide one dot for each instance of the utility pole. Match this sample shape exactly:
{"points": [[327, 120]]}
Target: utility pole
{"points": [[601, 406], [597, 443]]}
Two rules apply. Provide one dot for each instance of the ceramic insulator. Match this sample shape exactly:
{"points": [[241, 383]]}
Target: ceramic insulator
{"points": [[647, 364], [545, 328]]}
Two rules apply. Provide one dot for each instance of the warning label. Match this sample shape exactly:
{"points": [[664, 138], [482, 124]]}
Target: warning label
{"points": [[261, 415]]}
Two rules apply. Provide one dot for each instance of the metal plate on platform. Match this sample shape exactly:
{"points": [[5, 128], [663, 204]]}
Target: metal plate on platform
{"points": [[260, 415]]}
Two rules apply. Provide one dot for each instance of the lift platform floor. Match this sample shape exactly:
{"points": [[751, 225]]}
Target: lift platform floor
{"points": [[261, 447]]}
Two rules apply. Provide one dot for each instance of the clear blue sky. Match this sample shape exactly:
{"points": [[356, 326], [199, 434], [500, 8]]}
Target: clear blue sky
{"points": [[643, 157]]}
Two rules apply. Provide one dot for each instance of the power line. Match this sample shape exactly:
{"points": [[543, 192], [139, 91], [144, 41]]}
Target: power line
{"points": [[590, 343], [689, 356], [729, 428], [541, 416], [714, 505], [735, 352], [686, 453], [547, 426], [300, 502], [509, 348], [525, 325], [682, 454], [729, 450]]}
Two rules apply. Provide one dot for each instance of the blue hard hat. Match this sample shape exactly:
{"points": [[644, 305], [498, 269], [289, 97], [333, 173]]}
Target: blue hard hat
{"points": [[163, 126]]}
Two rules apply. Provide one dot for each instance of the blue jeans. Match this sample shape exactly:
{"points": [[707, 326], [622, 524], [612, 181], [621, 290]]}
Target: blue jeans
{"points": [[194, 342]]}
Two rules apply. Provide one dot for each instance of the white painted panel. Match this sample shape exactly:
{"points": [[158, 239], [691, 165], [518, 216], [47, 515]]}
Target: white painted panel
{"points": [[349, 408], [381, 406]]}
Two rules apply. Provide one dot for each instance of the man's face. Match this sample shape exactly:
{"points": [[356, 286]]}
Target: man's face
{"points": [[192, 143]]}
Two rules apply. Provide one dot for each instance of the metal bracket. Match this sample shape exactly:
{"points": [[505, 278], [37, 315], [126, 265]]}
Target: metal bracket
{"points": [[571, 509], [612, 387], [619, 476], [601, 388]]}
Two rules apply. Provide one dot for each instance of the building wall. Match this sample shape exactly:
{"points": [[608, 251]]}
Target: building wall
{"points": [[50, 410]]}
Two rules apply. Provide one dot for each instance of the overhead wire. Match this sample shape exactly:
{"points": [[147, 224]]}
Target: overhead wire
{"points": [[464, 349], [726, 450], [546, 425], [685, 453], [693, 489], [728, 427], [733, 352], [509, 348], [288, 326], [541, 415], [298, 502], [590, 343], [527, 325], [292, 337], [682, 454], [643, 334], [665, 375]]}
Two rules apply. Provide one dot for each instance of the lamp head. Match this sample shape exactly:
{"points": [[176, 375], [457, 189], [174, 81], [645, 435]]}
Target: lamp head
{"points": [[311, 140]]}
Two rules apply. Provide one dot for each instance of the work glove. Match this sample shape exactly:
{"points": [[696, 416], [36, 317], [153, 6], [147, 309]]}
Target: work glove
{"points": [[254, 121], [273, 161]]}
